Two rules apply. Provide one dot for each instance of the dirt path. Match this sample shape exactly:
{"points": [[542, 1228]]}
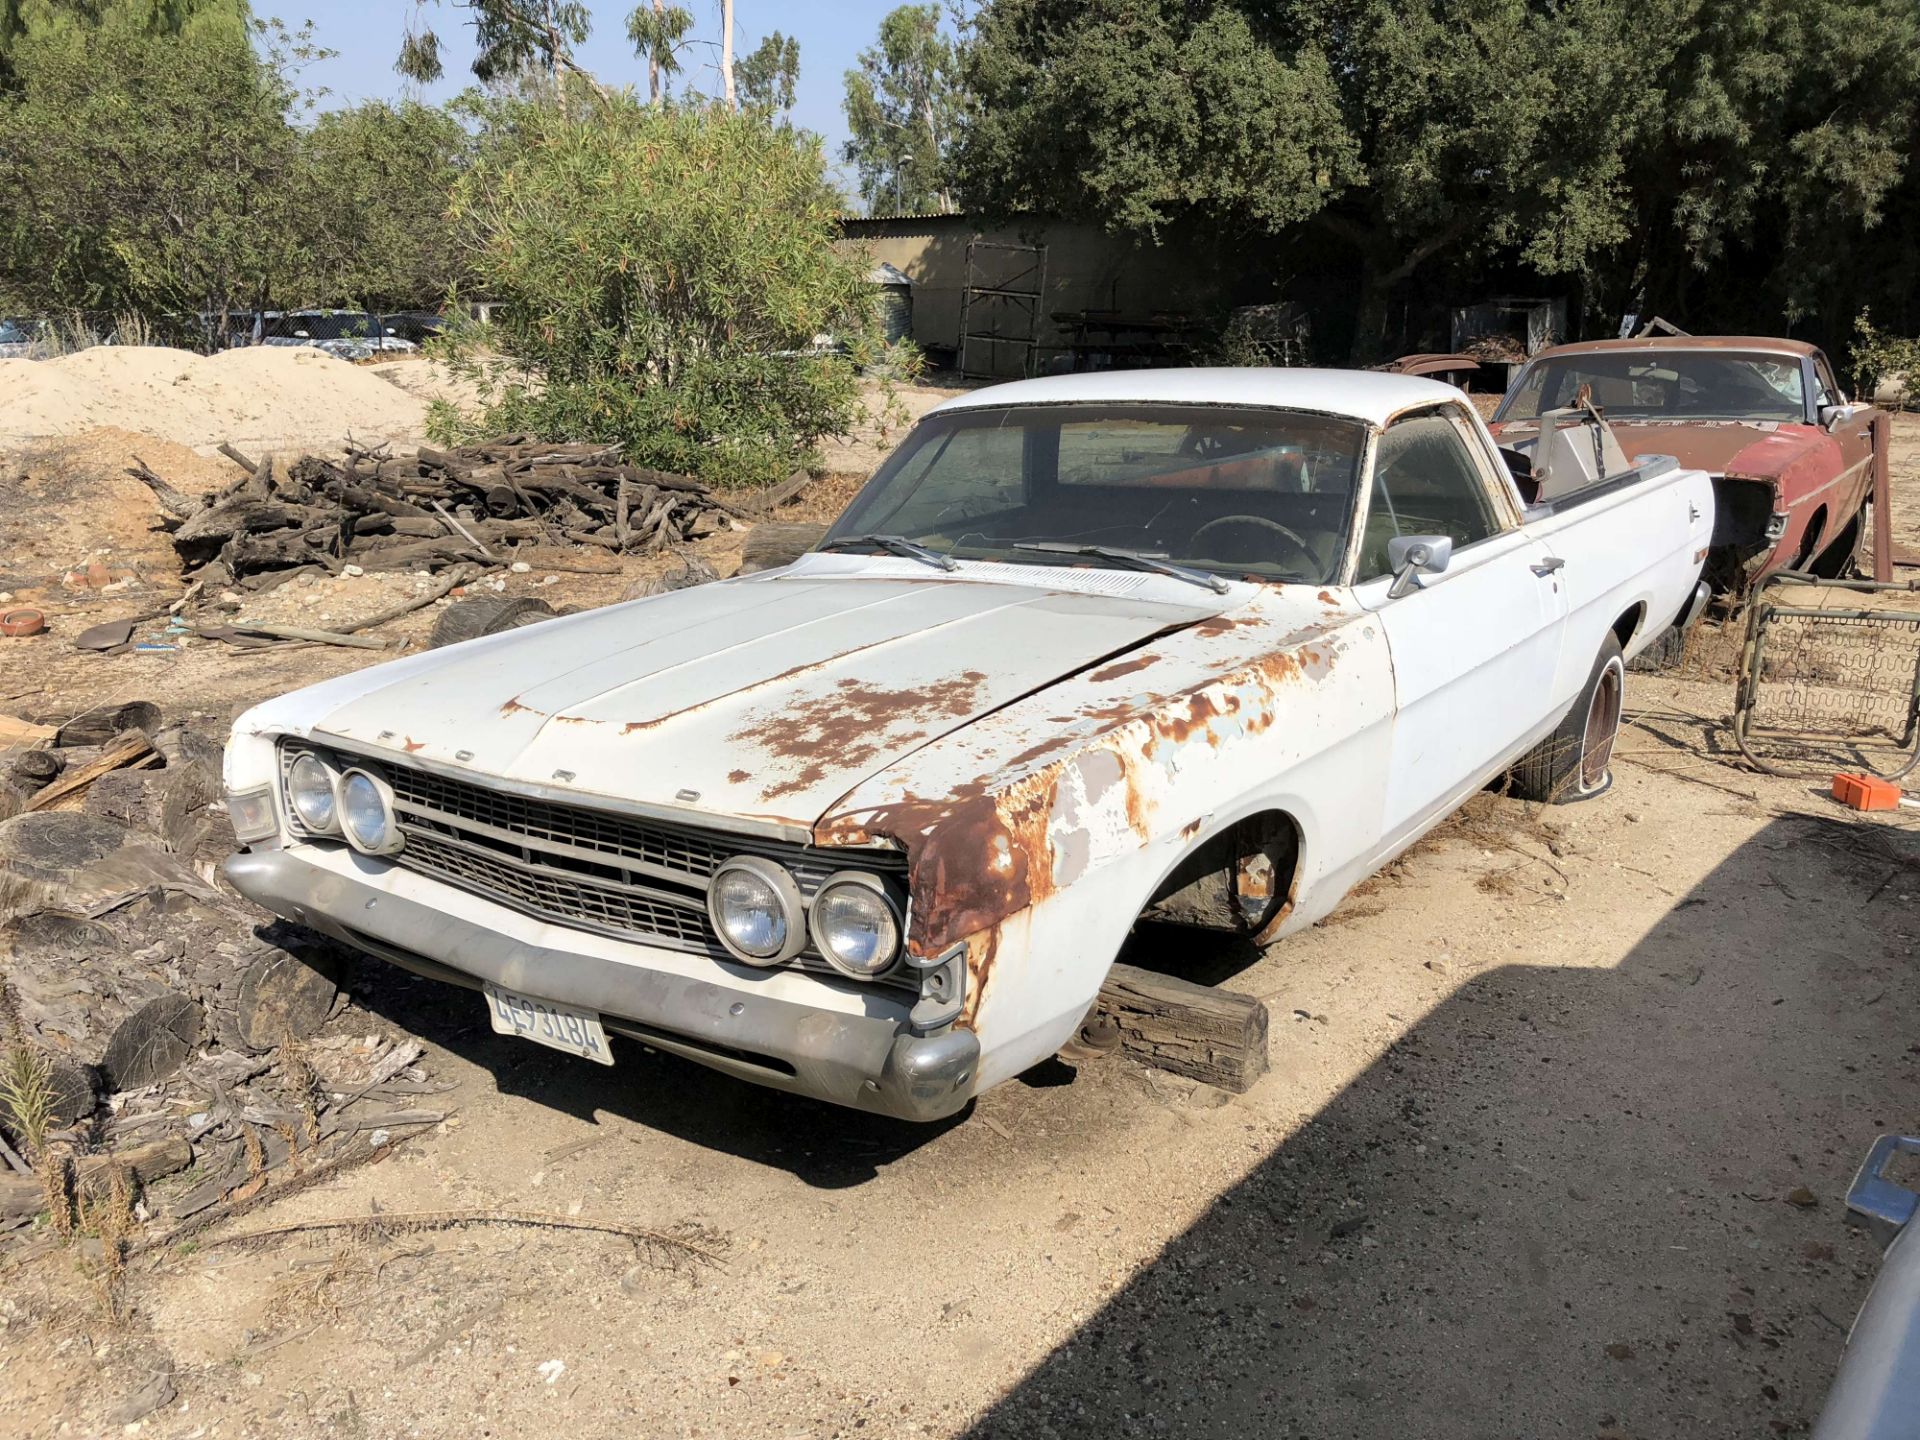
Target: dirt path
{"points": [[1521, 1166], [1540, 1096]]}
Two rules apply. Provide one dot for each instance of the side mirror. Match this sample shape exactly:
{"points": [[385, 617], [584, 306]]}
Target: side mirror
{"points": [[1832, 417], [1411, 556]]}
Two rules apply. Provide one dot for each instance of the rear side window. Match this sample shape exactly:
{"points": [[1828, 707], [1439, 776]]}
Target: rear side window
{"points": [[1425, 482]]}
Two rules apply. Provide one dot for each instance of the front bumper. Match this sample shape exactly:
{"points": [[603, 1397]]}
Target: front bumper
{"points": [[869, 1061]]}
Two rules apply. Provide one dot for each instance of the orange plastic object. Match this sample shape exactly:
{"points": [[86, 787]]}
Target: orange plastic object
{"points": [[1866, 792]]}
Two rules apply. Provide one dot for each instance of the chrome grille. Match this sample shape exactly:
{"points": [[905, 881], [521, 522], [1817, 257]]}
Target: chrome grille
{"points": [[593, 870]]}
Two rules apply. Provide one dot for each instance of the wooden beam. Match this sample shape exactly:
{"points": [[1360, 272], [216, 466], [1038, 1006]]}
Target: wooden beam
{"points": [[1217, 1036], [23, 1195], [129, 747]]}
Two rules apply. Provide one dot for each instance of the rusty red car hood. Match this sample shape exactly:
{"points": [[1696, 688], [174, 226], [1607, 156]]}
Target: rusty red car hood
{"points": [[765, 699], [1757, 449]]}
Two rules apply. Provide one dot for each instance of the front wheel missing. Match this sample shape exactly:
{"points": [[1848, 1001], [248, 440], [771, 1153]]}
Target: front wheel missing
{"points": [[1240, 882]]}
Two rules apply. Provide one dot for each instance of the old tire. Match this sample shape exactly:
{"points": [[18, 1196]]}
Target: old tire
{"points": [[1574, 763], [1666, 650], [486, 615]]}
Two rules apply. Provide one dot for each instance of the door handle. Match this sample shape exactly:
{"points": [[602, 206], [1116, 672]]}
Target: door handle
{"points": [[1548, 566]]}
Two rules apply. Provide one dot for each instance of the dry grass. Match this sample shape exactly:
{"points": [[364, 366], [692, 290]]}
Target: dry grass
{"points": [[26, 1097], [323, 1292], [107, 1217]]}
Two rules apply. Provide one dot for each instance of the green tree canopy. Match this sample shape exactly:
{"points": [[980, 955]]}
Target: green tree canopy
{"points": [[1622, 142], [664, 271], [903, 108], [659, 33], [372, 193], [512, 38], [146, 171], [767, 77], [146, 17]]}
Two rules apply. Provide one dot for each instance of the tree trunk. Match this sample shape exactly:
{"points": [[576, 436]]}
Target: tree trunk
{"points": [[1370, 319], [726, 51]]}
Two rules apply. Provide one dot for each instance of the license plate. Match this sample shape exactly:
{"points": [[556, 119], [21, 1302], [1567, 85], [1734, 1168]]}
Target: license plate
{"points": [[563, 1027]]}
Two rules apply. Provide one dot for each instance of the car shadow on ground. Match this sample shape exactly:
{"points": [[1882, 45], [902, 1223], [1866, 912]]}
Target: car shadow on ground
{"points": [[823, 1145], [1558, 1205]]}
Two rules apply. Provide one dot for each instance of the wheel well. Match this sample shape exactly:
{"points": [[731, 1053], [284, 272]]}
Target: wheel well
{"points": [[1628, 625], [1812, 538], [1242, 878]]}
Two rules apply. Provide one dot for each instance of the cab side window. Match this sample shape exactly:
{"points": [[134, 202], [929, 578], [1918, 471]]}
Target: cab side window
{"points": [[1825, 390], [1425, 482]]}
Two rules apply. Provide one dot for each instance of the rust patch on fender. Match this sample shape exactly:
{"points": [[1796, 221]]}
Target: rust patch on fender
{"points": [[982, 951], [987, 852]]}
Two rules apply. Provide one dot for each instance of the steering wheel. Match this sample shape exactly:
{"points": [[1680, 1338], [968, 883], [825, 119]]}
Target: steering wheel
{"points": [[1261, 522]]}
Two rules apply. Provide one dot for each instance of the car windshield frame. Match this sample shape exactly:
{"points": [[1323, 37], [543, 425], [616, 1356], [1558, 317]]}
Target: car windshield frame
{"points": [[1680, 361], [1311, 464]]}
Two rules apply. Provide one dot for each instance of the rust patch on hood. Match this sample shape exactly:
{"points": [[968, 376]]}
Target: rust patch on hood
{"points": [[852, 725], [413, 746], [1225, 624], [1122, 667], [514, 707], [791, 673]]}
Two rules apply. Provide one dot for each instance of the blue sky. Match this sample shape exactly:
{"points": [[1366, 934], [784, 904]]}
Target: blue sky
{"points": [[366, 33]]}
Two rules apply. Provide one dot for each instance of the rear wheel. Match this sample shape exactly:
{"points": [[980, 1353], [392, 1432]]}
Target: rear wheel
{"points": [[1575, 762]]}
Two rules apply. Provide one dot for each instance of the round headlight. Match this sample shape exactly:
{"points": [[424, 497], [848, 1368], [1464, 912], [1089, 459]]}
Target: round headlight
{"points": [[310, 793], [366, 813], [855, 924], [755, 907]]}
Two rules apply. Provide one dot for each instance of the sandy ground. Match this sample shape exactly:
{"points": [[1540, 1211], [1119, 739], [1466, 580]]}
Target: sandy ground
{"points": [[1541, 1094]]}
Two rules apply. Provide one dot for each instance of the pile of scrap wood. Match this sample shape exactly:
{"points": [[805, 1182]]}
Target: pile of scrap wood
{"points": [[168, 1021], [437, 508]]}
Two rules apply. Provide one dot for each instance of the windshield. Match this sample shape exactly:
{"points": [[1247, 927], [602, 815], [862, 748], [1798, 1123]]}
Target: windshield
{"points": [[1259, 492], [1670, 385]]}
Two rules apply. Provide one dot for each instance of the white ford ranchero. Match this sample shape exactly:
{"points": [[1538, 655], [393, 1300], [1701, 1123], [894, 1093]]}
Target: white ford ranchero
{"points": [[1210, 644]]}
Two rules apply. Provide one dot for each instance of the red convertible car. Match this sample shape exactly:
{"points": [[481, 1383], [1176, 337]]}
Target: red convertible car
{"points": [[1792, 459]]}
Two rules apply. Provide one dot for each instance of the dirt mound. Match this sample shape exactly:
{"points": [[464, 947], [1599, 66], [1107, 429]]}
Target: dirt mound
{"points": [[76, 501], [266, 398]]}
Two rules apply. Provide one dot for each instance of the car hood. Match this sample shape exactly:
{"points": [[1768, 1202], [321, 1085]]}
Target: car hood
{"points": [[1719, 447], [763, 699]]}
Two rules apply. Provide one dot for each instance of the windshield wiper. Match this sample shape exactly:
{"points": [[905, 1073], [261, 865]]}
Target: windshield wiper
{"points": [[898, 545], [1139, 559]]}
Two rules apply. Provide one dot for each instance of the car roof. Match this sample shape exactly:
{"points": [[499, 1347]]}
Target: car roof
{"points": [[1749, 344], [1372, 396]]}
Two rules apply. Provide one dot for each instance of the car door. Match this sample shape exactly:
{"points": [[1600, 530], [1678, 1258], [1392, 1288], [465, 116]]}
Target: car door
{"points": [[1855, 438], [1475, 647]]}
